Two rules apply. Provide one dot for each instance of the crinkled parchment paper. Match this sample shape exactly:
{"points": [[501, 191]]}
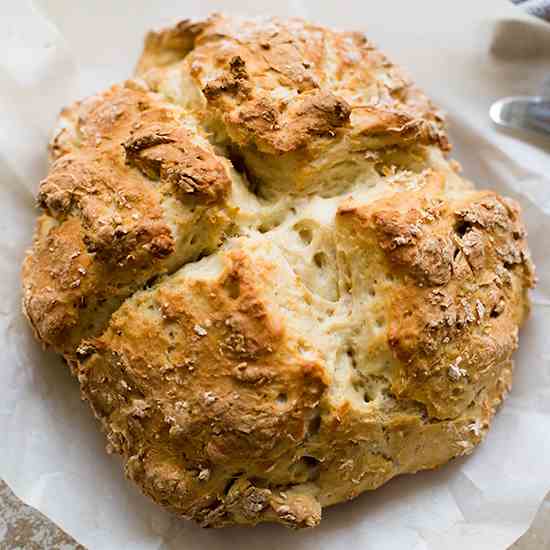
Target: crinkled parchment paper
{"points": [[465, 54]]}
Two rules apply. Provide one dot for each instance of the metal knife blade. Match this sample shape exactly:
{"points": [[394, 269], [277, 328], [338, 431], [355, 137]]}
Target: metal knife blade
{"points": [[530, 113]]}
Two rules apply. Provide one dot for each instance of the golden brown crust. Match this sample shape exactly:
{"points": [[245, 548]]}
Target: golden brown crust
{"points": [[121, 208], [459, 272], [148, 379], [274, 289], [169, 46], [290, 95]]}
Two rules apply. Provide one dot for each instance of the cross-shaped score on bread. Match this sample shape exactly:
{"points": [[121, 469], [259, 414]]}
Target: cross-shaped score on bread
{"points": [[274, 287]]}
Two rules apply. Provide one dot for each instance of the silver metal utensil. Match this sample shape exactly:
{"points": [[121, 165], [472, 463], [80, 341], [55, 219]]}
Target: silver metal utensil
{"points": [[524, 112]]}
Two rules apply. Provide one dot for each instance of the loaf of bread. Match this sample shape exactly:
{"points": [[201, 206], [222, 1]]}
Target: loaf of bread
{"points": [[274, 288]]}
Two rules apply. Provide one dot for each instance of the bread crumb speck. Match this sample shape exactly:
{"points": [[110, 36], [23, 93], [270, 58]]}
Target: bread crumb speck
{"points": [[200, 331]]}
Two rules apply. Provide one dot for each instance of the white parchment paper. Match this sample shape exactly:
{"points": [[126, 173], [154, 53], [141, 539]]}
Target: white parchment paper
{"points": [[465, 54]]}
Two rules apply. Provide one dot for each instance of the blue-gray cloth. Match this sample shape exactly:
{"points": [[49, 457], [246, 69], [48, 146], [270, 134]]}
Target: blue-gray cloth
{"points": [[540, 8]]}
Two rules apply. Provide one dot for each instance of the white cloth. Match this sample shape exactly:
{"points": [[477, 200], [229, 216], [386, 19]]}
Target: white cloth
{"points": [[540, 8]]}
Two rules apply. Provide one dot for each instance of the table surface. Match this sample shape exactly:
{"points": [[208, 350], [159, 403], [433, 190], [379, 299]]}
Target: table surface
{"points": [[23, 528]]}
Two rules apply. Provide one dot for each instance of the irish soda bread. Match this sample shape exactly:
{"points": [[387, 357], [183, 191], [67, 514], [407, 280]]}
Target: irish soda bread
{"points": [[275, 290]]}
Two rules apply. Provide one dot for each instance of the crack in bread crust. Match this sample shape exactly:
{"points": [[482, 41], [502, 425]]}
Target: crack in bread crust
{"points": [[135, 194], [275, 290]]}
